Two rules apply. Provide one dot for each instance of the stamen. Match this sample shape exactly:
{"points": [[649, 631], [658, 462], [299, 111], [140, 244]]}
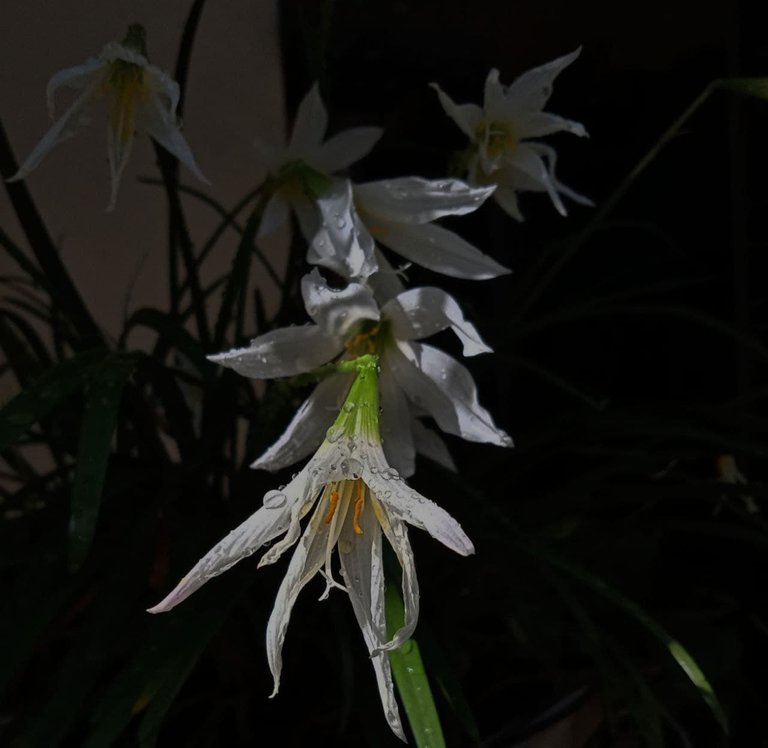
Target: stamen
{"points": [[334, 502], [359, 502]]}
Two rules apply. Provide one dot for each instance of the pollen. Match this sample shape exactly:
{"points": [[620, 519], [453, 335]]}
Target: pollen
{"points": [[359, 503], [333, 503]]}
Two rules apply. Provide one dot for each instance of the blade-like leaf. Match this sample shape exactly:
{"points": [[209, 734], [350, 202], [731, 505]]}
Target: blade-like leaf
{"points": [[411, 680]]}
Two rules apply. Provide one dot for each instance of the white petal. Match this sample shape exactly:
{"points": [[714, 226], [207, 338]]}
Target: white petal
{"points": [[282, 353], [344, 149], [416, 200], [118, 153], [539, 124], [429, 444], [467, 116], [163, 86], [531, 91], [308, 427], [420, 312], [162, 126], [336, 311], [79, 76], [395, 423], [550, 156], [440, 384], [267, 523], [116, 51], [440, 250], [532, 165], [386, 282], [401, 501], [494, 98], [506, 197], [342, 243], [64, 128], [275, 215], [310, 124], [307, 560], [307, 215], [272, 156]]}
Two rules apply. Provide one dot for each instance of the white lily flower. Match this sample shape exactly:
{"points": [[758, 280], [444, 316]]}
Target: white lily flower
{"points": [[302, 170], [416, 379], [502, 152], [133, 91], [399, 215], [356, 497]]}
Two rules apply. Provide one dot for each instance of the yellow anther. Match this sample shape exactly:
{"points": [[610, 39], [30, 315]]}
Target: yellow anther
{"points": [[359, 502], [334, 502]]}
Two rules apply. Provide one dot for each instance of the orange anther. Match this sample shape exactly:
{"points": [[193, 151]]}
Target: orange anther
{"points": [[334, 502], [359, 502]]}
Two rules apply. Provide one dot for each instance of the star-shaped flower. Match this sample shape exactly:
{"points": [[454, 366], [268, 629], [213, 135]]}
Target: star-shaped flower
{"points": [[133, 92], [416, 378], [501, 152], [355, 497]]}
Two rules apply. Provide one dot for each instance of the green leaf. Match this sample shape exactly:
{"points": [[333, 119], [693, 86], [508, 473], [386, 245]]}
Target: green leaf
{"points": [[104, 393], [411, 680]]}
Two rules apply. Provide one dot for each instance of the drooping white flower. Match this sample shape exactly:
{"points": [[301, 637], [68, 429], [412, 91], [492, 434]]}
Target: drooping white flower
{"points": [[134, 93], [399, 214], [501, 151], [356, 497], [416, 379], [302, 170]]}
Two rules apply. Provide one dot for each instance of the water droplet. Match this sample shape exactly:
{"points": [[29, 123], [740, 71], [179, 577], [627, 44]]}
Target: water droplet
{"points": [[345, 546], [334, 434], [274, 499], [352, 468], [341, 223]]}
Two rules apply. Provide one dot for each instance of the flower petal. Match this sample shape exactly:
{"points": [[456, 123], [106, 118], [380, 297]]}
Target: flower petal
{"points": [[307, 560], [539, 124], [420, 312], [402, 502], [79, 76], [61, 130], [441, 385], [342, 243], [440, 250], [275, 215], [395, 423], [429, 444], [506, 197], [336, 311], [307, 215], [345, 148], [310, 124], [284, 352], [532, 166], [261, 527], [416, 200], [118, 153], [161, 124], [531, 91], [308, 427], [467, 116]]}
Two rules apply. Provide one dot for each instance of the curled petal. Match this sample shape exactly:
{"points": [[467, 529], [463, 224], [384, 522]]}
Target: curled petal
{"points": [[416, 200], [440, 250], [342, 242], [284, 352], [334, 310], [267, 523], [442, 386], [308, 427], [421, 312]]}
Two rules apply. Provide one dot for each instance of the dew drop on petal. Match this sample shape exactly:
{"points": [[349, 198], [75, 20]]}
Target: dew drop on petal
{"points": [[334, 434], [274, 499]]}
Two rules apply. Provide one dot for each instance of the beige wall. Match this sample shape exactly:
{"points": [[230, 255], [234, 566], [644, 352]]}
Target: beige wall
{"points": [[234, 95]]}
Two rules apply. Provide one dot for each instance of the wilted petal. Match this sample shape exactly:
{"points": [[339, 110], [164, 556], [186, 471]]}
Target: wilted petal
{"points": [[310, 124], [267, 523], [417, 200], [308, 427], [440, 250], [467, 116], [531, 91], [421, 312], [395, 423], [342, 242], [429, 444], [337, 310], [307, 560], [441, 385], [346, 148], [284, 352]]}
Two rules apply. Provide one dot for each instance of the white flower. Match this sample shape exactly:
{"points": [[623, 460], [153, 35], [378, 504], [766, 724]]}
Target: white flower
{"points": [[416, 379], [302, 169], [356, 497], [501, 152], [399, 214], [133, 91]]}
